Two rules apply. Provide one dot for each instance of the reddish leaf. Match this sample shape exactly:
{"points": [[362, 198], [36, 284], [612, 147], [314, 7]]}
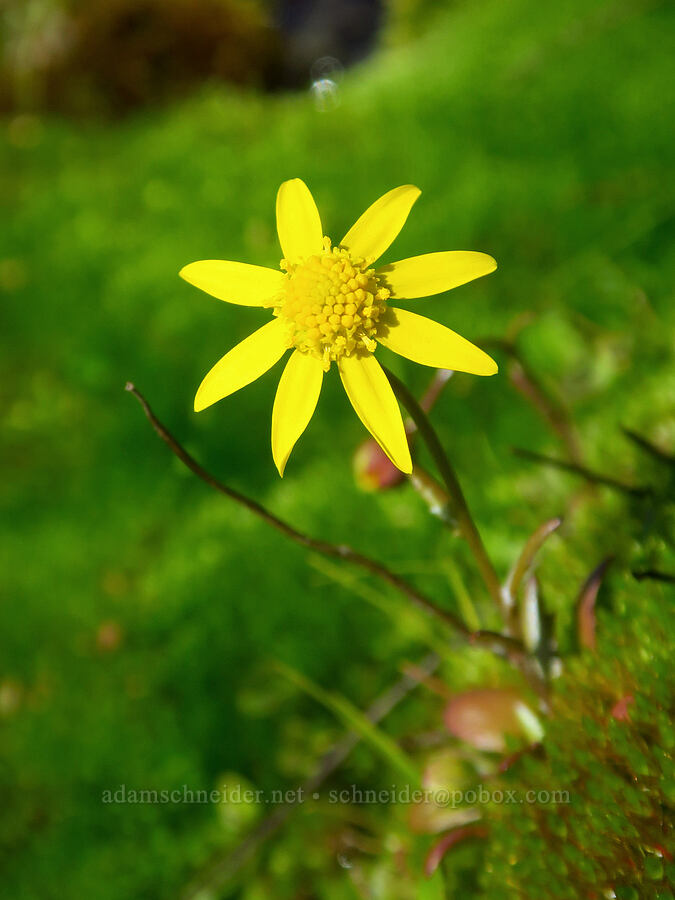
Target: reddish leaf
{"points": [[586, 605], [447, 842], [620, 708], [484, 717]]}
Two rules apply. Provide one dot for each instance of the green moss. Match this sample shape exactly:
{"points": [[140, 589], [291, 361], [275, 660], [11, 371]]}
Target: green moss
{"points": [[614, 831], [538, 133]]}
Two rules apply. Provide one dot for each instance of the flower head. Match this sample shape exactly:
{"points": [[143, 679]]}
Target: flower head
{"points": [[331, 304]]}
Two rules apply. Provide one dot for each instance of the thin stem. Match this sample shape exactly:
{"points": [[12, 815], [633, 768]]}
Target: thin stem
{"points": [[498, 644], [337, 551], [434, 495], [219, 872], [503, 645], [408, 619], [529, 384], [436, 385], [654, 575], [582, 472], [463, 596], [654, 451], [356, 721], [440, 505], [514, 651], [433, 392], [460, 509]]}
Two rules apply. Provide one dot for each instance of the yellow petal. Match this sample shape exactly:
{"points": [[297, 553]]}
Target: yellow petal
{"points": [[380, 224], [425, 341], [234, 282], [298, 221], [294, 404], [243, 364], [373, 399], [432, 273]]}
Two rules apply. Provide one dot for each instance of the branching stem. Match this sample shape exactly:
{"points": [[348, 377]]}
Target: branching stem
{"points": [[337, 551], [459, 508]]}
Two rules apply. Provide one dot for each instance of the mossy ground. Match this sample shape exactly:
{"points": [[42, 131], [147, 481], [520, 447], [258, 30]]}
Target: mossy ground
{"points": [[537, 133]]}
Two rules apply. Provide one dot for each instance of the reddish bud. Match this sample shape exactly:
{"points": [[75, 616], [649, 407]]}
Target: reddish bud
{"points": [[373, 470], [620, 708], [108, 636], [484, 717], [447, 842], [444, 775]]}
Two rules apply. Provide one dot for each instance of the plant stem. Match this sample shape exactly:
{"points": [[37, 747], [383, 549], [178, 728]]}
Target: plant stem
{"points": [[221, 870], [460, 509], [356, 721], [338, 551], [408, 619], [433, 391], [463, 596], [434, 495], [654, 575], [654, 451], [500, 645], [582, 472], [529, 384]]}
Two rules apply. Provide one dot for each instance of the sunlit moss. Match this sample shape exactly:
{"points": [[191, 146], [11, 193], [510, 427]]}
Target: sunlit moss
{"points": [[609, 745]]}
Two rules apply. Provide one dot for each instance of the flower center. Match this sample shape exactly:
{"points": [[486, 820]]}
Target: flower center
{"points": [[333, 304]]}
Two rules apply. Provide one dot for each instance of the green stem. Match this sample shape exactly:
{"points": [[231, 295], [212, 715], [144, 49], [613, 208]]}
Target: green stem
{"points": [[407, 618], [583, 472], [500, 644], [460, 509], [337, 551], [463, 596], [357, 721]]}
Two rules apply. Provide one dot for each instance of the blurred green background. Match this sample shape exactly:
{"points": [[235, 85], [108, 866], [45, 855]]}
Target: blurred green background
{"points": [[138, 609]]}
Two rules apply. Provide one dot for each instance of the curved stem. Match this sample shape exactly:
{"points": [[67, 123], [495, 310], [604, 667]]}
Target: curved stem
{"points": [[529, 384], [460, 509], [500, 645], [582, 472], [339, 551], [219, 871]]}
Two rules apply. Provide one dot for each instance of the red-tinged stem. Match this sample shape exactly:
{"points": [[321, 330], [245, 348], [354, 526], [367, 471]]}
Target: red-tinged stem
{"points": [[460, 509]]}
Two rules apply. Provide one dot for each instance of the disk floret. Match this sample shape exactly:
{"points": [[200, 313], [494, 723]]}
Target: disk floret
{"points": [[334, 305]]}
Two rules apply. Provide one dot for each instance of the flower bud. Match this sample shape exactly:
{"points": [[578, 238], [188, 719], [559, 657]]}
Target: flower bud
{"points": [[373, 470], [486, 716]]}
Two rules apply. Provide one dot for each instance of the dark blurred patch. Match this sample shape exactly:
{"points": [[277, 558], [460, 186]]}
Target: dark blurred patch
{"points": [[314, 29], [110, 57]]}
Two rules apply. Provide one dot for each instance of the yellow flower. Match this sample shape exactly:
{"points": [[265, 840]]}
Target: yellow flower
{"points": [[330, 304]]}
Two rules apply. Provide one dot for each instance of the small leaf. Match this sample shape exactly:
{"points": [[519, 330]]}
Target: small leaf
{"points": [[530, 616], [651, 449], [586, 605], [528, 555], [484, 717], [620, 709], [448, 841]]}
